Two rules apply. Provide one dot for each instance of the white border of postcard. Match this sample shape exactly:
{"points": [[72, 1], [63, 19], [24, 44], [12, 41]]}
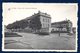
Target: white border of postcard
{"points": [[37, 50]]}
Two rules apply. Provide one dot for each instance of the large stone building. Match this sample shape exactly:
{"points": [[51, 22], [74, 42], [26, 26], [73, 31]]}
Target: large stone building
{"points": [[43, 26], [62, 26], [41, 23]]}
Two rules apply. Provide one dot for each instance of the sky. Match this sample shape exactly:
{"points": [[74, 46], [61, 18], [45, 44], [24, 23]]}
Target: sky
{"points": [[58, 11]]}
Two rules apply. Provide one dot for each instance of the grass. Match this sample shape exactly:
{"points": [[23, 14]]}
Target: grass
{"points": [[11, 34]]}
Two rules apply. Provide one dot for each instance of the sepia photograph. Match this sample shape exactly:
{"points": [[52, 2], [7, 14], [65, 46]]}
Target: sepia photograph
{"points": [[39, 27]]}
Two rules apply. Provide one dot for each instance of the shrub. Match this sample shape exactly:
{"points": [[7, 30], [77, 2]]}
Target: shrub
{"points": [[10, 34]]}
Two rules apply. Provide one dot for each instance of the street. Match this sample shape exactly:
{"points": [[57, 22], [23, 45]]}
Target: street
{"points": [[35, 41]]}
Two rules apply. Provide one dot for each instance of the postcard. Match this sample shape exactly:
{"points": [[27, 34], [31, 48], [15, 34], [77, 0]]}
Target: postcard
{"points": [[39, 27]]}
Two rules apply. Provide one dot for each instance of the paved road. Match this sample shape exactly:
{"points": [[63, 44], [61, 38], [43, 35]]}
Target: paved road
{"points": [[35, 41]]}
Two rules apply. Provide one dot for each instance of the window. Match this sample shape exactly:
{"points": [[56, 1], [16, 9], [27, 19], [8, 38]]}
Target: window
{"points": [[43, 25], [48, 25], [47, 20], [43, 19]]}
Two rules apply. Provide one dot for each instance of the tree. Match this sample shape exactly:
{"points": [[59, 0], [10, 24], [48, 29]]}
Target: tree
{"points": [[18, 24], [67, 27], [35, 23]]}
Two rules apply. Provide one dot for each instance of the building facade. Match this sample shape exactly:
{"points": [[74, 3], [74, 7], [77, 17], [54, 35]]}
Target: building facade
{"points": [[39, 22], [62, 26], [45, 22]]}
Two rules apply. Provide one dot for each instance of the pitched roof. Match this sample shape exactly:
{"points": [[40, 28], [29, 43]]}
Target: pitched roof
{"points": [[61, 22]]}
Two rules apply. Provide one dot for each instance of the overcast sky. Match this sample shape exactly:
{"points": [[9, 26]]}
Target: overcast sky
{"points": [[59, 12]]}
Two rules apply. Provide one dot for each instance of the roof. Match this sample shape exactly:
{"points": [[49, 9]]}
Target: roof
{"points": [[44, 14], [36, 14], [61, 22]]}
